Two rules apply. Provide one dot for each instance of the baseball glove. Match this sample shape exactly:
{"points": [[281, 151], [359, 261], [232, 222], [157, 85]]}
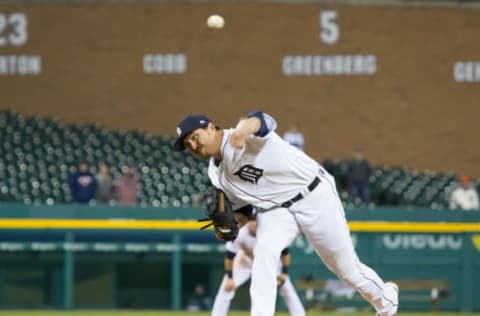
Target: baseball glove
{"points": [[220, 212]]}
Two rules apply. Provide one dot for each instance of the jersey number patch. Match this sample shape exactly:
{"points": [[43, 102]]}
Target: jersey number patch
{"points": [[249, 173]]}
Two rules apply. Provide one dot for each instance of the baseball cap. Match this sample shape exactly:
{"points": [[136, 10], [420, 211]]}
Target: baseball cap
{"points": [[188, 125]]}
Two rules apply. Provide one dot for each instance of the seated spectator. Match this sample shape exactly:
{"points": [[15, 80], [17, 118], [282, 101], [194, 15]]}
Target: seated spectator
{"points": [[464, 197], [294, 137], [104, 192], [82, 184], [358, 174], [127, 187], [199, 301], [196, 199]]}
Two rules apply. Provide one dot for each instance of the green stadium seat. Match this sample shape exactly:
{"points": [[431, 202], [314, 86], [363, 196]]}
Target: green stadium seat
{"points": [[37, 155]]}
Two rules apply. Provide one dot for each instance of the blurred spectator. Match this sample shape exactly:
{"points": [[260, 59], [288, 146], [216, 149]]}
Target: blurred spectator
{"points": [[294, 137], [104, 185], [199, 301], [127, 186], [464, 197], [82, 184], [196, 199], [358, 174]]}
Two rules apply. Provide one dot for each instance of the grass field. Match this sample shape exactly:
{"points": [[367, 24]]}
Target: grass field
{"points": [[170, 313]]}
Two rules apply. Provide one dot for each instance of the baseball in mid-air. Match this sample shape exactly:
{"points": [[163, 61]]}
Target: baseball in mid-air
{"points": [[215, 21]]}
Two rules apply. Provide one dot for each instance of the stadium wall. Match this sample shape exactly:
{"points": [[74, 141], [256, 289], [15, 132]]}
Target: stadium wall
{"points": [[400, 81], [92, 258]]}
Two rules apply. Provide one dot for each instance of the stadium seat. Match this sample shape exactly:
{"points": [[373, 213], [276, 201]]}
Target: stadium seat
{"points": [[38, 154]]}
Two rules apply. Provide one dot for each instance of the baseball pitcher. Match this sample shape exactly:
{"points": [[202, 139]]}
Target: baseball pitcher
{"points": [[291, 192]]}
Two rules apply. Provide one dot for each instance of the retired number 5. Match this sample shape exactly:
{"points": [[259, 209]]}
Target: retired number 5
{"points": [[329, 30]]}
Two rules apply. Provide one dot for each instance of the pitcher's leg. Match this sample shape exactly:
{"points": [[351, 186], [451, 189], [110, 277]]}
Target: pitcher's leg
{"points": [[323, 222], [348, 268], [275, 230], [292, 301]]}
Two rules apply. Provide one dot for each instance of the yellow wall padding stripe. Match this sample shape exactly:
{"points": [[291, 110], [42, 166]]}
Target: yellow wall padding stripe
{"points": [[98, 224], [418, 227], [414, 227]]}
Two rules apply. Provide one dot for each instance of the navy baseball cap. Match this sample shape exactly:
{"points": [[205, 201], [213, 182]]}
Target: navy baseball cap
{"points": [[188, 125]]}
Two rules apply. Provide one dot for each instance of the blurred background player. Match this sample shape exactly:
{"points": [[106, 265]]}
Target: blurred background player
{"points": [[238, 268]]}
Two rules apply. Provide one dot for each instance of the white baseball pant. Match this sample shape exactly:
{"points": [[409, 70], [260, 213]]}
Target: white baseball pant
{"points": [[241, 273], [320, 216]]}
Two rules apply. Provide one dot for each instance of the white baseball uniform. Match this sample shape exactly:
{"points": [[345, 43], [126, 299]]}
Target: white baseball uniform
{"points": [[292, 192], [242, 270]]}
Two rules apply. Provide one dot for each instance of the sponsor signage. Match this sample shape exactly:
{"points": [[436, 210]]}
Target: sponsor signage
{"points": [[108, 247]]}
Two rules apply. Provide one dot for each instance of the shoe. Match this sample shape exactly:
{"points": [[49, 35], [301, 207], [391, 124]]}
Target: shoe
{"points": [[395, 287]]}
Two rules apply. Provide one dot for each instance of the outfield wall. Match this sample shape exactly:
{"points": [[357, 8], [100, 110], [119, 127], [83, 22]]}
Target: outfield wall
{"points": [[94, 258], [401, 81]]}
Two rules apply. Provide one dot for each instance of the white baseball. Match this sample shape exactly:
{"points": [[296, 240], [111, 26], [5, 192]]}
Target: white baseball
{"points": [[215, 21]]}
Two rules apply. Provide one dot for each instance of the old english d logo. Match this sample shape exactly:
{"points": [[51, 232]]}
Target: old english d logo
{"points": [[249, 173]]}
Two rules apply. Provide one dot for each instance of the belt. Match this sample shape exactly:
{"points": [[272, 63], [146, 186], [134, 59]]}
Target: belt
{"points": [[300, 196]]}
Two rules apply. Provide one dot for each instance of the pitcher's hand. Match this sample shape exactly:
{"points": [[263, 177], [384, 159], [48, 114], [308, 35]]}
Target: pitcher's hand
{"points": [[229, 285], [281, 279]]}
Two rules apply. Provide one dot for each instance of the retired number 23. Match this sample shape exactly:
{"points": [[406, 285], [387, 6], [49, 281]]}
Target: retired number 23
{"points": [[13, 29]]}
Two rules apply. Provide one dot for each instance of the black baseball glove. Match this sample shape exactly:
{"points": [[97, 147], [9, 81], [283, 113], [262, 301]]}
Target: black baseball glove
{"points": [[220, 212]]}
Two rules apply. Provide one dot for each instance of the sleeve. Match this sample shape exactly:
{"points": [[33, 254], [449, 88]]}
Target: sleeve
{"points": [[246, 210], [236, 245], [94, 184], [476, 202], [268, 123], [232, 246], [230, 255]]}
